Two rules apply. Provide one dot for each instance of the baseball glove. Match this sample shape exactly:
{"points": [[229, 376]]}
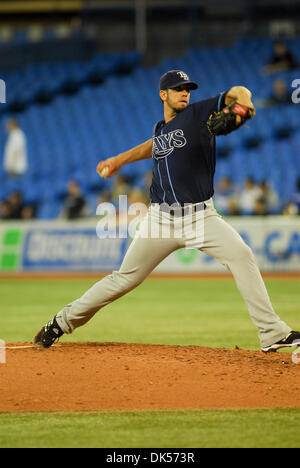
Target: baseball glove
{"points": [[229, 119]]}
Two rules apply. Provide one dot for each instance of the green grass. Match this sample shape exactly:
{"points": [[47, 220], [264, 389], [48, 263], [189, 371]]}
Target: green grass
{"points": [[160, 429], [197, 312]]}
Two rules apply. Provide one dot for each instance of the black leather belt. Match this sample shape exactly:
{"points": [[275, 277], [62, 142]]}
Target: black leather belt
{"points": [[182, 210]]}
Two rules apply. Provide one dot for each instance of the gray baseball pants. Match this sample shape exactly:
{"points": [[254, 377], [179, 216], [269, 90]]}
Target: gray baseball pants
{"points": [[215, 237]]}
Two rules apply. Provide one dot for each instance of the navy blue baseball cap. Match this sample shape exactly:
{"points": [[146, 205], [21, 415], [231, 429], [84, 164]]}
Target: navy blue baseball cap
{"points": [[174, 78]]}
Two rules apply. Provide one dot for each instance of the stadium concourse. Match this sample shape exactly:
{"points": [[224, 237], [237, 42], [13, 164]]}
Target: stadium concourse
{"points": [[77, 113]]}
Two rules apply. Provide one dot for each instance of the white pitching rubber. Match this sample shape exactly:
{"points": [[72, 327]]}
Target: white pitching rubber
{"points": [[295, 358]]}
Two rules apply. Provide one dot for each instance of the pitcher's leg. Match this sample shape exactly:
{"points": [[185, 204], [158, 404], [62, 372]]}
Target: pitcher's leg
{"points": [[225, 244], [140, 260]]}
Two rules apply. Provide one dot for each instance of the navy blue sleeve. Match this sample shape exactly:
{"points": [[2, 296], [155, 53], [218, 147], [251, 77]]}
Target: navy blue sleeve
{"points": [[156, 127], [203, 109]]}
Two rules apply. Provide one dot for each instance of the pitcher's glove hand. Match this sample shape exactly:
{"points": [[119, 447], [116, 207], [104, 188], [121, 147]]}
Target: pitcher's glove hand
{"points": [[229, 119]]}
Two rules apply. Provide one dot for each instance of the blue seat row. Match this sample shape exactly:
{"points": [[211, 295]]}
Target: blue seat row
{"points": [[41, 82]]}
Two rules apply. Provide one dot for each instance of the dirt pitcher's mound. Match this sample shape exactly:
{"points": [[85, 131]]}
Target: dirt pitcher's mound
{"points": [[102, 376]]}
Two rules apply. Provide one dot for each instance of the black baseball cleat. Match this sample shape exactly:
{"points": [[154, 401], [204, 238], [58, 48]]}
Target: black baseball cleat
{"points": [[291, 340], [48, 335]]}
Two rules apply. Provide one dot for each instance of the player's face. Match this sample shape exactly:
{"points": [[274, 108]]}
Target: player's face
{"points": [[178, 98]]}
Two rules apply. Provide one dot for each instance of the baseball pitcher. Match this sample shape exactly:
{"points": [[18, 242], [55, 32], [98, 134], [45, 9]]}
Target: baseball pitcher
{"points": [[183, 149]]}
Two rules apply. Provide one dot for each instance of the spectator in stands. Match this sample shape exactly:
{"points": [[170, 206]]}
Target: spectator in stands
{"points": [[280, 94], [281, 60], [75, 203], [16, 205], [249, 195], [14, 208], [5, 211], [260, 207], [15, 153], [271, 198], [290, 209], [226, 196], [233, 208], [28, 212]]}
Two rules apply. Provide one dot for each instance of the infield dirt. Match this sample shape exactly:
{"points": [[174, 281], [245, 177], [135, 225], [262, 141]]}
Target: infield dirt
{"points": [[117, 376]]}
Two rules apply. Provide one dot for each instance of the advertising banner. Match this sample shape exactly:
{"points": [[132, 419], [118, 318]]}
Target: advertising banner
{"points": [[47, 248], [274, 240], [70, 247]]}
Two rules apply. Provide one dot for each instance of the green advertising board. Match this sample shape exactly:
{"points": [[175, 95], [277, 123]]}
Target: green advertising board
{"points": [[11, 240]]}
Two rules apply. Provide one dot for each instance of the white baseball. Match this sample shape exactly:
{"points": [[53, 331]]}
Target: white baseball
{"points": [[104, 171]]}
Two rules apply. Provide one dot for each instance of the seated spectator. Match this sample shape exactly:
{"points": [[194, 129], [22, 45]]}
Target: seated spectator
{"points": [[5, 211], [281, 60], [14, 208], [28, 212], [280, 94], [290, 209], [15, 201], [260, 207], [270, 196], [233, 208], [75, 204], [249, 195], [225, 196]]}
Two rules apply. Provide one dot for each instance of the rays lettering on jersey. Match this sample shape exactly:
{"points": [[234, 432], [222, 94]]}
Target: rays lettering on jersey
{"points": [[163, 145]]}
